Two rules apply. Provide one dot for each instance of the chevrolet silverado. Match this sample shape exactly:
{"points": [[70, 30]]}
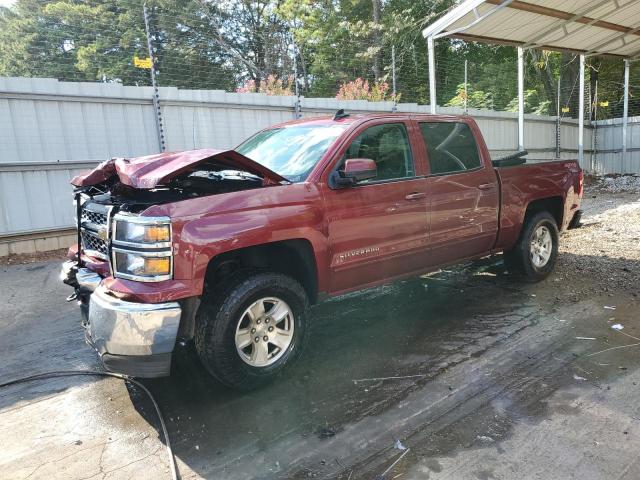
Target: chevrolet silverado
{"points": [[228, 249]]}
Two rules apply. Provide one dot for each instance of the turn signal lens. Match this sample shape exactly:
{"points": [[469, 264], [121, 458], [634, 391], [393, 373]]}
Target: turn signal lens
{"points": [[157, 233], [157, 265]]}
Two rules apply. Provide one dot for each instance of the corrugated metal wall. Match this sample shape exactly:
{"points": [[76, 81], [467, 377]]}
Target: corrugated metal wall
{"points": [[50, 131], [607, 155]]}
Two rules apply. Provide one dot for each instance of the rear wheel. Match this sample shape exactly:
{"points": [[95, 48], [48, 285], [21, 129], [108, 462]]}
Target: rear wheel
{"points": [[535, 254], [249, 331]]}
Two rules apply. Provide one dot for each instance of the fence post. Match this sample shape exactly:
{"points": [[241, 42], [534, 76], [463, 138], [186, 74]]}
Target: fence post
{"points": [[297, 107], [594, 123], [393, 77], [156, 96], [466, 93]]}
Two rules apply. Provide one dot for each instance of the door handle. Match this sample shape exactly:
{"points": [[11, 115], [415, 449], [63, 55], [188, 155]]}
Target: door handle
{"points": [[486, 186], [415, 196]]}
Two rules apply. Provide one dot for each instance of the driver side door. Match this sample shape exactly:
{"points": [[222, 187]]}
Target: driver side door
{"points": [[378, 229]]}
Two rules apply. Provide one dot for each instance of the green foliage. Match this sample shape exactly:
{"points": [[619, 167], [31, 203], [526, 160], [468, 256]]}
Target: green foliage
{"points": [[254, 44], [475, 98], [533, 103]]}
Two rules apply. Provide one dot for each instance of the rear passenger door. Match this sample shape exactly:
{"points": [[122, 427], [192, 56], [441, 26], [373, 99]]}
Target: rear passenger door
{"points": [[378, 228], [463, 193]]}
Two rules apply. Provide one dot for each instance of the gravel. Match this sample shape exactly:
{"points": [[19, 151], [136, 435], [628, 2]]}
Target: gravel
{"points": [[25, 258], [617, 183], [603, 256]]}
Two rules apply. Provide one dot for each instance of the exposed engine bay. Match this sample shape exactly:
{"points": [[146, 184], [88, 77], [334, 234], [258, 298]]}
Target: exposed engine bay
{"points": [[207, 179]]}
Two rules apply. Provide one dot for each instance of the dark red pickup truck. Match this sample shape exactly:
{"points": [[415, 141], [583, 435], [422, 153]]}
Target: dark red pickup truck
{"points": [[229, 248]]}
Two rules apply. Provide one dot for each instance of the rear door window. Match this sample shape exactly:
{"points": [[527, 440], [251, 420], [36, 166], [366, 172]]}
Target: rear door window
{"points": [[451, 147]]}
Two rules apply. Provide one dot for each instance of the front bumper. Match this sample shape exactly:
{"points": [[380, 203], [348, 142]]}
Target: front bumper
{"points": [[132, 338]]}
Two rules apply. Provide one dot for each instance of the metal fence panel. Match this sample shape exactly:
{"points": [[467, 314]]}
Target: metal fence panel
{"points": [[64, 127]]}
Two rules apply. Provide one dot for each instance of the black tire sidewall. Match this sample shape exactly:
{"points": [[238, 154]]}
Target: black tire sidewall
{"points": [[217, 320]]}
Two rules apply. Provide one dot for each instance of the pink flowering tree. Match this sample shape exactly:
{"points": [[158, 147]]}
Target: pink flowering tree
{"points": [[361, 89], [272, 85]]}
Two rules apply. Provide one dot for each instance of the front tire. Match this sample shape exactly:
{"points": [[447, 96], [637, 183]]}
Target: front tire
{"points": [[534, 256], [248, 332]]}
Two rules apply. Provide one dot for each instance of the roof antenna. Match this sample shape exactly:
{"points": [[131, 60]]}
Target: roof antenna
{"points": [[340, 114]]}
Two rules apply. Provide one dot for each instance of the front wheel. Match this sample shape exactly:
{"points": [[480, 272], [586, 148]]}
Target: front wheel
{"points": [[535, 254], [248, 332]]}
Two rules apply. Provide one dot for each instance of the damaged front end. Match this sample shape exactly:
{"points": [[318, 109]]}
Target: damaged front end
{"points": [[116, 240], [135, 339]]}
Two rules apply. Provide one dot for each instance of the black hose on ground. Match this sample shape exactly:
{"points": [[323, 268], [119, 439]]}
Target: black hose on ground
{"points": [[71, 373]]}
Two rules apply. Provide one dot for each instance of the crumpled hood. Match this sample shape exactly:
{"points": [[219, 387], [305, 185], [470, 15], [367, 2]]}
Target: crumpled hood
{"points": [[149, 171]]}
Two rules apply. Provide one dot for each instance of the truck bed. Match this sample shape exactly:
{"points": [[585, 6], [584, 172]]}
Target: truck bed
{"points": [[554, 180]]}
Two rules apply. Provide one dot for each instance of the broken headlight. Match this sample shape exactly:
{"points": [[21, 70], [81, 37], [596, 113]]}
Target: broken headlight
{"points": [[141, 248]]}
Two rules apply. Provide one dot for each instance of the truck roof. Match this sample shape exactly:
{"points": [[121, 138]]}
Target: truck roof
{"points": [[356, 118]]}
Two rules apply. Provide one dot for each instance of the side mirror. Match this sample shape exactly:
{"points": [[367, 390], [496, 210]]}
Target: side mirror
{"points": [[356, 170]]}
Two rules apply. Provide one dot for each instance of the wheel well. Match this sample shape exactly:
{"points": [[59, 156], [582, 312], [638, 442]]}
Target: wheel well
{"points": [[553, 205], [290, 257]]}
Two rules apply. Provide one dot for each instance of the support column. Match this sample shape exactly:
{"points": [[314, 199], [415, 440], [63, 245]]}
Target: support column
{"points": [[581, 114], [520, 98], [625, 116], [432, 75]]}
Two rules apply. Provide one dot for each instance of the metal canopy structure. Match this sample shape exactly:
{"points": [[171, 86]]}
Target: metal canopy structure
{"points": [[585, 27]]}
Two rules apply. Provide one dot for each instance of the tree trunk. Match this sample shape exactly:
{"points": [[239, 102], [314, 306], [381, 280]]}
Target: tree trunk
{"points": [[376, 39], [550, 86], [569, 84], [303, 65]]}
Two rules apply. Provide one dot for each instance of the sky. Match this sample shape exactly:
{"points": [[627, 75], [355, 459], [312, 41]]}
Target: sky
{"points": [[6, 3]]}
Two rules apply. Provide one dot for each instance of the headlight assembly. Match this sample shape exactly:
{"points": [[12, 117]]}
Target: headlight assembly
{"points": [[141, 248], [132, 232]]}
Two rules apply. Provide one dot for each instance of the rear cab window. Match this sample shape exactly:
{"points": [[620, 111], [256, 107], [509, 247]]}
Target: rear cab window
{"points": [[451, 147]]}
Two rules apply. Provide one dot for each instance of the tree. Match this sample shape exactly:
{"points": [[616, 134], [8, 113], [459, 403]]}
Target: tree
{"points": [[231, 44]]}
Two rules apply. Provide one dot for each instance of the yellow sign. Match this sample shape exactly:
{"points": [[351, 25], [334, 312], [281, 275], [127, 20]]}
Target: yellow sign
{"points": [[142, 62], [604, 104], [565, 109]]}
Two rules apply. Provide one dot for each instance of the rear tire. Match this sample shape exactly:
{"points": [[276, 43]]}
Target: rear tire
{"points": [[251, 329], [534, 256]]}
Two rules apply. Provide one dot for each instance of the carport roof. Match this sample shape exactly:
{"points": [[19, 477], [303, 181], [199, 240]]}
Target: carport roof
{"points": [[591, 27]]}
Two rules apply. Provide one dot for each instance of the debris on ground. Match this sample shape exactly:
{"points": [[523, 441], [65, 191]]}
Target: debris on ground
{"points": [[609, 307], [585, 338], [26, 258], [326, 432], [617, 326], [617, 183], [399, 446], [578, 377]]}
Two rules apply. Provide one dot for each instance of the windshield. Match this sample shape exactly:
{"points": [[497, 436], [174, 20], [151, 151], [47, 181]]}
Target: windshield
{"points": [[293, 151]]}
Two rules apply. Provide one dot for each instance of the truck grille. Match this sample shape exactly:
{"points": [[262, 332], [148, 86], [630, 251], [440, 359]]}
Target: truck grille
{"points": [[94, 229], [94, 245], [94, 217]]}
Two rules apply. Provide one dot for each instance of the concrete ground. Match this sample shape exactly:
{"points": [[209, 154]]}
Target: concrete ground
{"points": [[463, 374]]}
